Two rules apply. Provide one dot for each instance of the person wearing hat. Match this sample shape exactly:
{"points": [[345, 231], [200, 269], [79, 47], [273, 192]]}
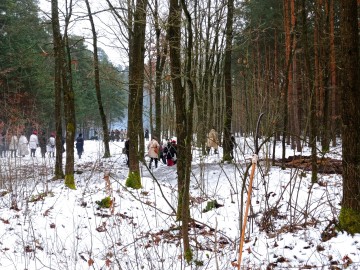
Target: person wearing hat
{"points": [[33, 143]]}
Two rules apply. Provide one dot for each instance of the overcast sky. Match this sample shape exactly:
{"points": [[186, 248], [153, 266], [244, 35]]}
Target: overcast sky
{"points": [[105, 24]]}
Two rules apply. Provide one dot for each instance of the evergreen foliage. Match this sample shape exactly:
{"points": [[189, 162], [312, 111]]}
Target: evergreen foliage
{"points": [[27, 72]]}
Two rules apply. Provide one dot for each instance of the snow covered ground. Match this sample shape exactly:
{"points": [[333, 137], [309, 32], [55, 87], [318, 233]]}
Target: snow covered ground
{"points": [[44, 225]]}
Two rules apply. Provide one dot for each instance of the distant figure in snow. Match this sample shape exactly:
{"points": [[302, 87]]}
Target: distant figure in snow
{"points": [[233, 144], [3, 144], [146, 136], [80, 145], [23, 145], [153, 151], [170, 153], [13, 145], [42, 143], [127, 146], [212, 141], [50, 146], [33, 143]]}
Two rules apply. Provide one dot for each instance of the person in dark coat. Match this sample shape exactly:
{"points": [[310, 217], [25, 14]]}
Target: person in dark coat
{"points": [[162, 154], [146, 134], [127, 145], [233, 144], [170, 153], [117, 135], [63, 144], [2, 144], [80, 145], [112, 135], [42, 143], [173, 149]]}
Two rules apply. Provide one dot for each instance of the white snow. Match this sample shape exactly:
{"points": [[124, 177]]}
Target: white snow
{"points": [[66, 229]]}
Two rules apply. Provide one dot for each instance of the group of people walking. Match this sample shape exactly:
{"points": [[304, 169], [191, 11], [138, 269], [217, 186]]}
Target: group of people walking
{"points": [[118, 135], [20, 146], [167, 152]]}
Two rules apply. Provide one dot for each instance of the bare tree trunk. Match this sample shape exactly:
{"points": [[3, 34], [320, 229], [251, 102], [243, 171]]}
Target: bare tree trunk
{"points": [[350, 83], [308, 72], [69, 105], [334, 95], [325, 48], [294, 122], [184, 113], [160, 63], [97, 84], [228, 82], [295, 86], [285, 93], [58, 56], [136, 82]]}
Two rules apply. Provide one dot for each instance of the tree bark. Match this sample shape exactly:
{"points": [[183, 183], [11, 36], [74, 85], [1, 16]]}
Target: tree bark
{"points": [[58, 56], [184, 113], [308, 72], [228, 82], [69, 104], [97, 84], [136, 82], [160, 63], [350, 83], [333, 82]]}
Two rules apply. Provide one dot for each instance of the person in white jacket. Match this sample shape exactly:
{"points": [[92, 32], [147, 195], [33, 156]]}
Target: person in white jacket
{"points": [[33, 143], [13, 146], [23, 145], [50, 146]]}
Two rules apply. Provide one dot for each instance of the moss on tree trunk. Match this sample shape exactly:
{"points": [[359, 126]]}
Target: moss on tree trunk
{"points": [[70, 181], [349, 220], [133, 180]]}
